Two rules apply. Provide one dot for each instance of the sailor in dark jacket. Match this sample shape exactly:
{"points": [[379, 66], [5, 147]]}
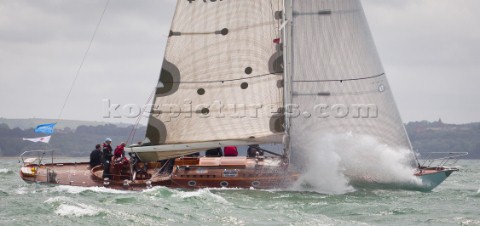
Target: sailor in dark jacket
{"points": [[254, 151], [107, 157], [96, 156], [215, 152]]}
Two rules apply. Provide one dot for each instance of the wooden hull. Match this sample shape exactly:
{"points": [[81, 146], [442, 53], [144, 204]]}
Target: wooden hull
{"points": [[187, 173]]}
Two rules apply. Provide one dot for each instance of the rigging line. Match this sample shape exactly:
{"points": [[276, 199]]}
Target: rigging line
{"points": [[83, 61], [340, 80], [228, 80], [134, 129]]}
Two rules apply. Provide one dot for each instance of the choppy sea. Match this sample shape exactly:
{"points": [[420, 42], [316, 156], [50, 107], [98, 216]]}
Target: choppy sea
{"points": [[455, 202]]}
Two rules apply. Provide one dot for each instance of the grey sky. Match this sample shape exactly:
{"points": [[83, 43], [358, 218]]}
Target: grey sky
{"points": [[429, 50]]}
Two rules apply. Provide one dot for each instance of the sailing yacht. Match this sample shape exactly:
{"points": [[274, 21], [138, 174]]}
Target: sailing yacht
{"points": [[239, 73]]}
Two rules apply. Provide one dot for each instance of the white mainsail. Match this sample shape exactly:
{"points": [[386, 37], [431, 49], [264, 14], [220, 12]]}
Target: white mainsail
{"points": [[338, 84], [222, 76]]}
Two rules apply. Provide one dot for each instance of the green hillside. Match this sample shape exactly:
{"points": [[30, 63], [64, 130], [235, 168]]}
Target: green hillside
{"points": [[442, 137]]}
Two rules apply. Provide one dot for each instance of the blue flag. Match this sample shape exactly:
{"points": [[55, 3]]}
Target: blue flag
{"points": [[45, 128]]}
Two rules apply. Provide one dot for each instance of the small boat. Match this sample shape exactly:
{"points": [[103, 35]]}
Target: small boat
{"points": [[239, 73]]}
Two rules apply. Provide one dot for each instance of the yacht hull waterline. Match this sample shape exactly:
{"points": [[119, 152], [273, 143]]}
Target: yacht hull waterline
{"points": [[193, 173]]}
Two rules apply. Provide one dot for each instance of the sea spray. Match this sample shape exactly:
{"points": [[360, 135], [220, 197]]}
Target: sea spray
{"points": [[321, 171], [331, 163]]}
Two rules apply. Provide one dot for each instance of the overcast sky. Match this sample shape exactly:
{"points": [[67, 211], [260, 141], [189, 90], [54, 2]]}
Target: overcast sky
{"points": [[429, 49]]}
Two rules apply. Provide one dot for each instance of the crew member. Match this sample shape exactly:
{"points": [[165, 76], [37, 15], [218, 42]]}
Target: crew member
{"points": [[230, 151], [215, 152], [96, 156], [107, 157]]}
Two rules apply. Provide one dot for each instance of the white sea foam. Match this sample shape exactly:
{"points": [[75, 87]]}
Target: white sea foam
{"points": [[467, 221], [332, 161], [225, 188], [155, 189], [325, 220], [5, 171], [73, 190], [77, 210], [76, 190], [201, 193], [58, 199], [231, 220], [70, 207], [21, 191]]}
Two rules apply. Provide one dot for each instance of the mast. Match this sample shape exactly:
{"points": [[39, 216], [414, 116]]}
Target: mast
{"points": [[287, 45]]}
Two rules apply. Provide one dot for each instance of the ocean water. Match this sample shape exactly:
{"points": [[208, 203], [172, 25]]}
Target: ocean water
{"points": [[455, 202]]}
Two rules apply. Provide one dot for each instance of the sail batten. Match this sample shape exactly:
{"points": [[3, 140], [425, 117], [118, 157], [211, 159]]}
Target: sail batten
{"points": [[229, 80]]}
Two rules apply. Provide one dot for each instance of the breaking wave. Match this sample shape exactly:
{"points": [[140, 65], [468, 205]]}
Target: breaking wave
{"points": [[78, 210], [69, 207], [204, 193], [77, 190]]}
